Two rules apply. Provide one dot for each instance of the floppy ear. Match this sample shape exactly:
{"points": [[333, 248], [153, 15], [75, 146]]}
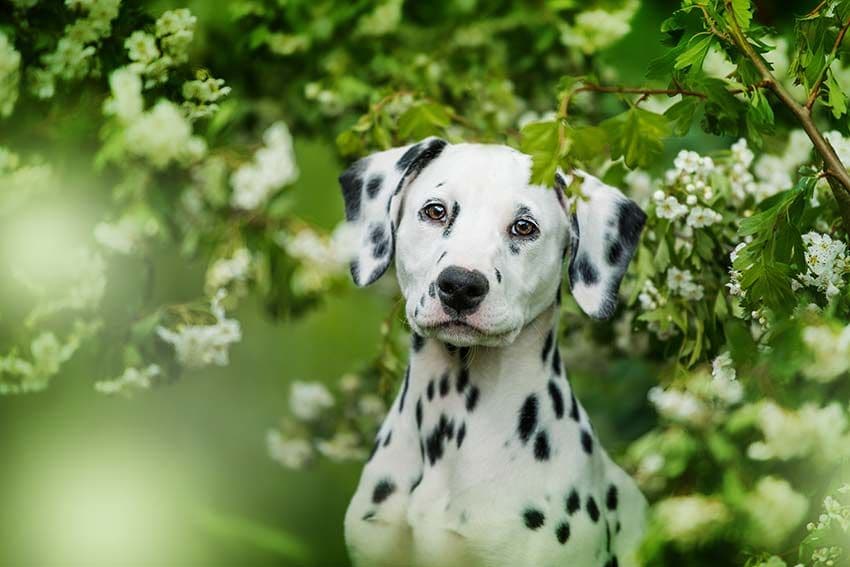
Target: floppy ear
{"points": [[605, 228], [372, 189]]}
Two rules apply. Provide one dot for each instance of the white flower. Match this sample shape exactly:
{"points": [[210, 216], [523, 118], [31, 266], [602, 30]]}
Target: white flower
{"points": [[678, 405], [372, 406], [131, 381], [342, 447], [225, 271], [700, 217], [827, 263], [202, 345], [125, 235], [693, 519], [811, 431], [649, 297], [291, 453], [724, 383], [321, 258], [596, 29], [307, 400], [670, 208], [10, 63], [774, 510], [163, 135], [722, 368], [141, 47], [273, 167], [126, 101], [830, 350]]}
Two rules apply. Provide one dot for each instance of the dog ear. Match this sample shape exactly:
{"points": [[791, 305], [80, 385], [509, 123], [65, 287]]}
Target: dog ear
{"points": [[605, 230], [372, 189]]}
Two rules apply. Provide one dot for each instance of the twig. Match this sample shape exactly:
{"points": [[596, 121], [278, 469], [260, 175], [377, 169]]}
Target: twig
{"points": [[813, 95]]}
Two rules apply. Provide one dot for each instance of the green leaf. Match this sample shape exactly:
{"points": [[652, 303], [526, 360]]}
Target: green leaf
{"points": [[695, 53], [681, 115], [588, 142], [637, 136], [837, 98], [540, 141], [423, 120], [743, 11]]}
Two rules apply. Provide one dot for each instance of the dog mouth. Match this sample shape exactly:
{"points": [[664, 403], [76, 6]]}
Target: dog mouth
{"points": [[462, 328]]}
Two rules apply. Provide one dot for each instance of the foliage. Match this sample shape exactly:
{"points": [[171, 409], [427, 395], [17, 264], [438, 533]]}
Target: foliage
{"points": [[736, 304]]}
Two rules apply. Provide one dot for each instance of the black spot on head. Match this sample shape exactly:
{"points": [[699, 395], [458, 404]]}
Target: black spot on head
{"points": [[574, 408], [415, 483], [422, 301], [430, 390], [444, 385], [630, 222], [417, 342], [498, 275], [351, 182], [615, 252], [541, 446], [461, 433], [374, 449], [556, 362], [462, 380], [408, 157], [472, 398], [419, 413], [611, 498], [374, 185], [557, 399], [534, 519], [527, 418], [514, 248], [432, 289], [443, 255], [585, 270], [383, 490], [547, 346], [563, 533], [586, 441], [592, 509], [573, 502], [389, 437], [452, 219], [418, 160]]}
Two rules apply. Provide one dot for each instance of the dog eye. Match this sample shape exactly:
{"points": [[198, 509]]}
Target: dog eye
{"points": [[434, 211], [523, 228]]}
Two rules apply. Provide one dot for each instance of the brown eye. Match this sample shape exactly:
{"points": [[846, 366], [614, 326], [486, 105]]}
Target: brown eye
{"points": [[523, 228], [434, 211]]}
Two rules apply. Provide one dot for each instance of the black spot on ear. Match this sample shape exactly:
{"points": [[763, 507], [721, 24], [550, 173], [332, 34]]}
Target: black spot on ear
{"points": [[430, 390], [563, 533], [630, 222], [498, 275], [380, 242], [452, 218], [534, 519], [368, 516], [389, 437], [586, 441], [514, 249], [461, 434], [444, 385], [408, 157], [415, 483], [586, 272], [547, 345], [377, 272], [383, 490], [404, 388], [527, 418], [615, 252], [573, 502], [592, 509], [418, 161], [355, 271], [611, 498], [472, 398], [374, 185], [374, 449], [462, 380], [351, 182], [574, 408], [557, 399], [419, 413], [541, 446], [556, 362], [417, 342]]}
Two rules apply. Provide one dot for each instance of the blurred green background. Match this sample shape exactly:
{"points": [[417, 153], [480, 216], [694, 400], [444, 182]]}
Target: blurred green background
{"points": [[180, 475]]}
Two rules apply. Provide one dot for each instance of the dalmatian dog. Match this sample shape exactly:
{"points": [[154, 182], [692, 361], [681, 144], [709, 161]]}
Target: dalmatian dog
{"points": [[486, 458]]}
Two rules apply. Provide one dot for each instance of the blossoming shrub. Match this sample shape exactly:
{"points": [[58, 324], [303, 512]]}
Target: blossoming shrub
{"points": [[730, 355]]}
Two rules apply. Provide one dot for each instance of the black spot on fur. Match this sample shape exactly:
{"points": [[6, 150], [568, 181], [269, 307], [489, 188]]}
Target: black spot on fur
{"points": [[418, 161], [430, 390], [547, 346], [461, 434], [415, 483], [383, 490], [574, 408], [419, 413], [389, 437], [452, 219], [443, 255], [563, 533], [462, 380], [351, 182], [586, 442], [556, 362], [514, 249], [472, 398], [615, 252], [527, 418], [408, 157], [611, 498], [541, 446], [586, 271], [417, 341], [432, 289], [444, 385], [557, 399], [377, 272], [573, 502], [374, 449], [498, 276], [435, 443], [592, 509], [355, 271], [534, 519], [630, 222], [380, 242], [374, 185]]}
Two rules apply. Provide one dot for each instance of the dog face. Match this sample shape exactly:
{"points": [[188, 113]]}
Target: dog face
{"points": [[478, 248]]}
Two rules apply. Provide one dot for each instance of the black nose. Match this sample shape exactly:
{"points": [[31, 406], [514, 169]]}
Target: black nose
{"points": [[461, 289]]}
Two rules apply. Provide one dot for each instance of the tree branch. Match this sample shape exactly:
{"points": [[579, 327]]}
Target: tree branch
{"points": [[837, 175], [813, 95]]}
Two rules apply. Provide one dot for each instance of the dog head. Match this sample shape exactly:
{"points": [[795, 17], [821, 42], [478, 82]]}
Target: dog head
{"points": [[478, 248]]}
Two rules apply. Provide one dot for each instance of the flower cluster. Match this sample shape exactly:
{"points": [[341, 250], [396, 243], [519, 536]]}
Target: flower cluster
{"points": [[154, 54], [131, 381], [819, 433], [321, 258], [830, 349], [202, 95], [224, 272], [827, 263], [597, 28], [273, 167]]}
